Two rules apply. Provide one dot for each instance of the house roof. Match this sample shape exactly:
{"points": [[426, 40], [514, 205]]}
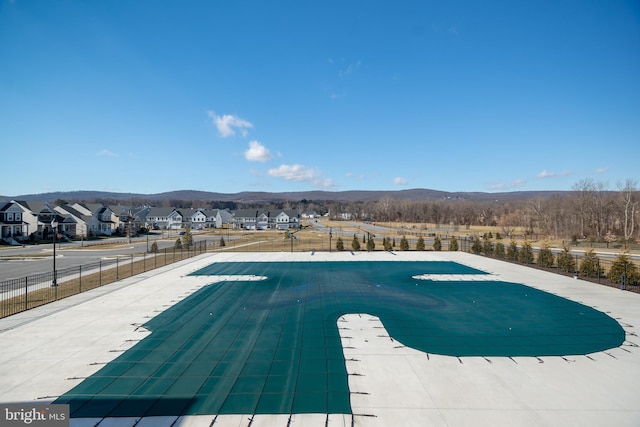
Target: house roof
{"points": [[156, 211], [248, 213], [68, 209], [253, 213]]}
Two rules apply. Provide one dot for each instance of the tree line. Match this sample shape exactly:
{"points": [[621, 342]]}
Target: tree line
{"points": [[589, 211]]}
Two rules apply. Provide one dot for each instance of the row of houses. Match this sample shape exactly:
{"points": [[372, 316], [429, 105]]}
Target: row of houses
{"points": [[21, 221]]}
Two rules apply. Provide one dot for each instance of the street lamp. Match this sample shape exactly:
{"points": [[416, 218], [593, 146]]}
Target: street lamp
{"points": [[54, 229], [330, 235]]}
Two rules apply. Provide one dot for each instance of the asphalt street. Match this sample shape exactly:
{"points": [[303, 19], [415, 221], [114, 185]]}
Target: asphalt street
{"points": [[17, 262]]}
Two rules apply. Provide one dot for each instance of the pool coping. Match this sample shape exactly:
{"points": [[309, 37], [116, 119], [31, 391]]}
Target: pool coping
{"points": [[50, 349]]}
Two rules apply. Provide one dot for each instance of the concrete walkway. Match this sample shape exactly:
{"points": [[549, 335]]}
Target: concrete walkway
{"points": [[49, 350]]}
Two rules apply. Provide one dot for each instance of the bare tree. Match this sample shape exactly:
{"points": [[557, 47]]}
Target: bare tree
{"points": [[598, 208], [436, 213], [385, 204], [510, 221], [584, 198], [629, 194], [541, 215]]}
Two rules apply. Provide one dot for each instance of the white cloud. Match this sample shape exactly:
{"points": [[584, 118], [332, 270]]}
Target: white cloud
{"points": [[106, 153], [301, 173], [496, 186], [257, 152], [602, 170], [400, 181], [227, 124], [350, 69], [547, 174], [502, 186]]}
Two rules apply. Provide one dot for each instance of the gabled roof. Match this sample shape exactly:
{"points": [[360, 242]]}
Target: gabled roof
{"points": [[156, 211], [291, 213], [142, 213], [189, 212], [81, 207], [68, 209], [35, 207], [252, 213], [248, 213], [23, 203], [225, 215]]}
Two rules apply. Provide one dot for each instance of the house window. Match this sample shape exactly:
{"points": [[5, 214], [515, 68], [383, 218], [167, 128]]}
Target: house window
{"points": [[18, 218], [10, 216]]}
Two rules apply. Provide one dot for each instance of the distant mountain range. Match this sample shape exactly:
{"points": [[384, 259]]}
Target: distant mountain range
{"points": [[416, 194]]}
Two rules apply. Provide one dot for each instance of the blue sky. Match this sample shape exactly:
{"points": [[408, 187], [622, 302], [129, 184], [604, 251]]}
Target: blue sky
{"points": [[150, 96]]}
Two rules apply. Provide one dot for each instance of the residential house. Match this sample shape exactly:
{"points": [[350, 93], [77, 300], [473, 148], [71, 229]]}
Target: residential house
{"points": [[17, 221], [21, 221], [158, 218], [220, 217], [286, 219], [310, 214], [44, 214], [102, 222], [74, 223], [251, 219], [130, 219], [198, 219]]}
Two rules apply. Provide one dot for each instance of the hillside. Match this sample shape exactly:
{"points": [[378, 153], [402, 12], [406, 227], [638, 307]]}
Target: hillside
{"points": [[416, 194]]}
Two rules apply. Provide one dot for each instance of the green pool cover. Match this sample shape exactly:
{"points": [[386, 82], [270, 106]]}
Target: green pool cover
{"points": [[273, 347]]}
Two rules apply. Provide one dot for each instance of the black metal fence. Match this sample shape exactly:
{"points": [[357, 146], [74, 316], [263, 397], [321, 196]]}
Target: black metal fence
{"points": [[582, 266], [28, 292], [22, 294]]}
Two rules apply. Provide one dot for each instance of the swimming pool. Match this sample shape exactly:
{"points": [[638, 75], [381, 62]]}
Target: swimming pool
{"points": [[273, 345]]}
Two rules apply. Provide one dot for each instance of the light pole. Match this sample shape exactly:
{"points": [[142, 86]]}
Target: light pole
{"points": [[330, 235], [54, 229]]}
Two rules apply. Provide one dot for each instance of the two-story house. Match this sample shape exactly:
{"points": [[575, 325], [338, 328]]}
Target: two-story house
{"points": [[158, 218], [75, 223], [102, 222], [14, 224], [286, 220], [218, 218], [251, 219]]}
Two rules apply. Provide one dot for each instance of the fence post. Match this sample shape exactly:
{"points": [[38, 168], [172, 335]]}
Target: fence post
{"points": [[144, 262], [100, 275], [117, 265], [26, 292], [131, 265], [80, 279]]}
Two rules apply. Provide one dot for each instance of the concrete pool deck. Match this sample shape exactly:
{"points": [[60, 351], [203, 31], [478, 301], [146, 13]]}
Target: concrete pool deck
{"points": [[49, 350]]}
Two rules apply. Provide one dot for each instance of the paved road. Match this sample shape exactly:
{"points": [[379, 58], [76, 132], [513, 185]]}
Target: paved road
{"points": [[73, 254]]}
